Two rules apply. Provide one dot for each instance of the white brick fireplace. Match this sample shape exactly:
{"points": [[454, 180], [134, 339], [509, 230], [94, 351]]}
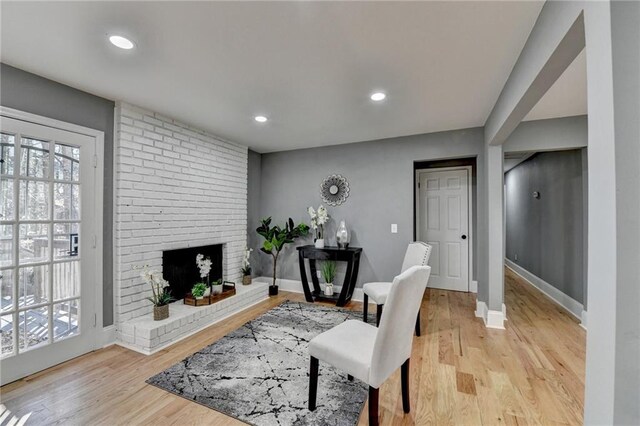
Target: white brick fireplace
{"points": [[175, 187]]}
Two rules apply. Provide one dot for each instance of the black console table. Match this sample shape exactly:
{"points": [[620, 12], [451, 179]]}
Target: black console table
{"points": [[350, 255]]}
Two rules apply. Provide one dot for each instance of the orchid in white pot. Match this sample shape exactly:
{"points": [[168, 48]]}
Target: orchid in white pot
{"points": [[204, 265], [318, 219]]}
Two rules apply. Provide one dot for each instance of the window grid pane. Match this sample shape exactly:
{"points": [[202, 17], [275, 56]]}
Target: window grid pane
{"points": [[66, 319], [7, 153], [7, 207], [34, 158], [7, 334], [6, 245]]}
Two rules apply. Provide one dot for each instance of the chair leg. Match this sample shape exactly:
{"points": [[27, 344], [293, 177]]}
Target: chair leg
{"points": [[365, 308], [404, 372], [418, 324], [313, 383], [373, 406], [378, 314], [350, 377]]}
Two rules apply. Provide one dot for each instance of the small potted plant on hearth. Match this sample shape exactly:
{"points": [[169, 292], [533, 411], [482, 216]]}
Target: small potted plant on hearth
{"points": [[199, 290], [328, 270], [246, 267], [216, 287], [161, 293], [275, 238]]}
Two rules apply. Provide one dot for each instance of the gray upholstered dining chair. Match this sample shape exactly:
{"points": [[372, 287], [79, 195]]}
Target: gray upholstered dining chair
{"points": [[417, 254], [369, 353]]}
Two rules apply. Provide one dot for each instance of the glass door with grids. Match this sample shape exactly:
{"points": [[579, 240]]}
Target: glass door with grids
{"points": [[47, 247]]}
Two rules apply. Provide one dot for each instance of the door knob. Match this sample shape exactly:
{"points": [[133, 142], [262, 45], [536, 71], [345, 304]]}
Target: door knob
{"points": [[464, 237]]}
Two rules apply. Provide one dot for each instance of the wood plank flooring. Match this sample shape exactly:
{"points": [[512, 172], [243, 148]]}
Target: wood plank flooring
{"points": [[461, 372]]}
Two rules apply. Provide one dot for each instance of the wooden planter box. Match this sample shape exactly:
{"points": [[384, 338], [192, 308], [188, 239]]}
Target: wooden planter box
{"points": [[228, 290]]}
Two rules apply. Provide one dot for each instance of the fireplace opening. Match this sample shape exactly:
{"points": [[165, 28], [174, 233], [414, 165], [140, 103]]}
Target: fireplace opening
{"points": [[179, 267]]}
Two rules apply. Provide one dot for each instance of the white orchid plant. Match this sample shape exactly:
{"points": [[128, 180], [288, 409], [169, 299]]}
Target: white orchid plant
{"points": [[318, 219], [246, 264], [204, 265], [159, 286]]}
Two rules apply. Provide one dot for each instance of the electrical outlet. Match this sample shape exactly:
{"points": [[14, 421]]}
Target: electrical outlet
{"points": [[394, 228], [319, 275], [516, 257]]}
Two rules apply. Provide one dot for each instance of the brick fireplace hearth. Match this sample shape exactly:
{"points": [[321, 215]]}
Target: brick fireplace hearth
{"points": [[175, 187]]}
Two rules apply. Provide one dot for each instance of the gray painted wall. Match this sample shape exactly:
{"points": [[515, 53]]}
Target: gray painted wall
{"points": [[254, 185], [31, 93], [625, 19], [546, 234], [380, 175]]}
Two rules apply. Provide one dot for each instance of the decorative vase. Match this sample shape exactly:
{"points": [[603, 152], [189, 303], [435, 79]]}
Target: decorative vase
{"points": [[318, 241], [273, 290], [216, 289], [342, 236], [328, 289], [199, 297], [207, 292], [160, 312], [246, 279]]}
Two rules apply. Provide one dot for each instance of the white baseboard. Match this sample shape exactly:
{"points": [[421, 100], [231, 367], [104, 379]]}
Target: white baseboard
{"points": [[295, 286], [583, 319], [574, 307], [107, 336], [491, 318], [473, 287]]}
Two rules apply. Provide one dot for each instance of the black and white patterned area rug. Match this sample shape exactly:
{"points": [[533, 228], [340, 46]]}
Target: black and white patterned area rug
{"points": [[259, 373]]}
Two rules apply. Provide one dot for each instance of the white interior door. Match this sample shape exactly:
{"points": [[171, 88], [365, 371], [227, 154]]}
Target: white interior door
{"points": [[47, 247], [443, 222]]}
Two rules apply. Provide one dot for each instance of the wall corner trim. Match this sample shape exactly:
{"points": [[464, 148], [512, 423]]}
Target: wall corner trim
{"points": [[107, 337], [492, 319]]}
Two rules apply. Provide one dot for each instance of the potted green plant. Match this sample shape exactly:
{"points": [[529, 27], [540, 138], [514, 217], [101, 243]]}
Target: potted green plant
{"points": [[216, 287], [199, 290], [246, 267], [161, 294], [328, 271], [275, 238]]}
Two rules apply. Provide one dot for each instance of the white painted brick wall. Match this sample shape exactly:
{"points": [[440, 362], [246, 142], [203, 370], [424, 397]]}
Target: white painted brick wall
{"points": [[175, 187]]}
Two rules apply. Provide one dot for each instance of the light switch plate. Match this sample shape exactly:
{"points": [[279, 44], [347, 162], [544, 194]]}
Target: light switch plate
{"points": [[394, 228]]}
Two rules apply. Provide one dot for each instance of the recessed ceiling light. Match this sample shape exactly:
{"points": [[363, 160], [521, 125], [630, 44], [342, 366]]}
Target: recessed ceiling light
{"points": [[121, 42], [378, 96], [260, 118]]}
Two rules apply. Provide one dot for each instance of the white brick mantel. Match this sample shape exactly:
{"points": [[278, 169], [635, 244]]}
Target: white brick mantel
{"points": [[175, 187]]}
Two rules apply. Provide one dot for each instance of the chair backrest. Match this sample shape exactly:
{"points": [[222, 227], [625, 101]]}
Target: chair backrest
{"points": [[395, 333], [417, 254]]}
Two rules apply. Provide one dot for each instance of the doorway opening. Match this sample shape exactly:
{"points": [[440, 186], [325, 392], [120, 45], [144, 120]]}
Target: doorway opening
{"points": [[545, 201], [50, 220]]}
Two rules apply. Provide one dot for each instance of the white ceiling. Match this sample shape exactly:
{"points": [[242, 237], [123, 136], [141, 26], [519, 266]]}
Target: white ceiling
{"points": [[308, 66]]}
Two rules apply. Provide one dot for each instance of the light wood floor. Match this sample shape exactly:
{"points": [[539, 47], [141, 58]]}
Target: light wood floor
{"points": [[462, 373]]}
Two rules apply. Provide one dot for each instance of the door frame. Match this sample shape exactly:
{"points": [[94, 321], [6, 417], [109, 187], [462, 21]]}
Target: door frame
{"points": [[416, 207], [98, 136]]}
